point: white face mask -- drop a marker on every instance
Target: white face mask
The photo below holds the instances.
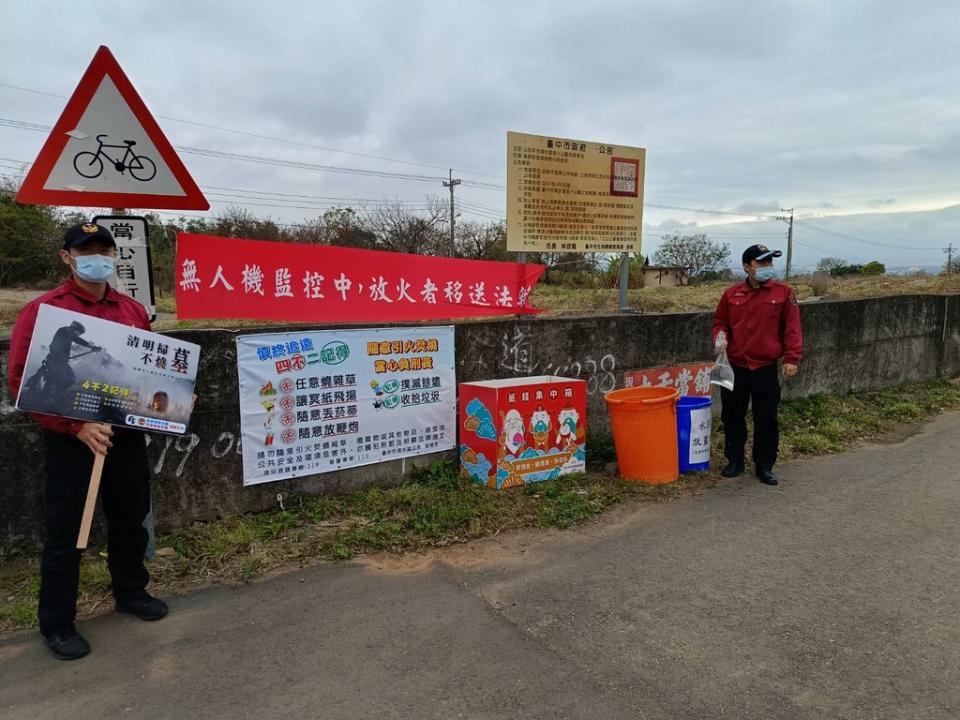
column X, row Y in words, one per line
column 94, row 268
column 764, row 274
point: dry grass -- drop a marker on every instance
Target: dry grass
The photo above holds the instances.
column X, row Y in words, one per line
column 434, row 507
column 558, row 300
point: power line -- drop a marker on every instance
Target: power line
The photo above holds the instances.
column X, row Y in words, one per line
column 331, row 201
column 827, row 253
column 35, row 92
column 709, row 212
column 222, row 154
column 270, row 137
column 473, row 208
column 481, row 206
column 863, row 241
column 259, row 198
column 301, row 197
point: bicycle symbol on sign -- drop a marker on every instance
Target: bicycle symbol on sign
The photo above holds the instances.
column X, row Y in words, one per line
column 90, row 164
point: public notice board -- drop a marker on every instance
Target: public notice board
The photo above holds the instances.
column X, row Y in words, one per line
column 85, row 368
column 567, row 195
column 316, row 401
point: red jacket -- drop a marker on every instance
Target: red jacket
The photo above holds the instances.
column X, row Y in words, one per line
column 114, row 306
column 762, row 324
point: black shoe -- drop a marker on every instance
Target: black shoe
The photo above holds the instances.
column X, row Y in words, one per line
column 66, row 643
column 145, row 607
column 732, row 469
column 767, row 477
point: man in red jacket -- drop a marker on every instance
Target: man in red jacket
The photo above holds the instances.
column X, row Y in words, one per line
column 90, row 252
column 757, row 322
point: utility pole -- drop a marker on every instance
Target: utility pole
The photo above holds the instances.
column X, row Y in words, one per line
column 789, row 240
column 452, row 184
column 949, row 251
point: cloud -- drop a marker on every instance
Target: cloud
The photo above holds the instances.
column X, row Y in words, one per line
column 733, row 110
column 758, row 207
column 671, row 225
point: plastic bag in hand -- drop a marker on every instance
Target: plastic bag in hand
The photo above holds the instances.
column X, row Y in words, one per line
column 721, row 373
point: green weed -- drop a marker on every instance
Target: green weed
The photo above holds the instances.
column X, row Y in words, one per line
column 434, row 506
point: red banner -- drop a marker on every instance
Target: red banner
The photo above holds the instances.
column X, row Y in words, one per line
column 251, row 279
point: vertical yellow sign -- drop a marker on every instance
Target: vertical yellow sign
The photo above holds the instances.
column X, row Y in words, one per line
column 568, row 195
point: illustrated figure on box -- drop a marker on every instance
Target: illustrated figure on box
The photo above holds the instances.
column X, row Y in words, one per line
column 540, row 428
column 512, row 440
column 514, row 437
column 568, row 435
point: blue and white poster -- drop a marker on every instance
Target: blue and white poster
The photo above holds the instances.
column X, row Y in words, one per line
column 317, row 401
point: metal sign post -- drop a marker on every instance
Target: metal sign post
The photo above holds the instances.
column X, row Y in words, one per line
column 624, row 281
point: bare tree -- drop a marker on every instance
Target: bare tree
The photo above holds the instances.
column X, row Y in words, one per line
column 399, row 229
column 697, row 253
column 481, row 241
column 829, row 263
column 238, row 222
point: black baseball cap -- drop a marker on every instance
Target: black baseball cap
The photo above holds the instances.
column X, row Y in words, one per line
column 83, row 233
column 759, row 252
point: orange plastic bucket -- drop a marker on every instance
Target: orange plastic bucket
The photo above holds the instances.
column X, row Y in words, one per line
column 644, row 422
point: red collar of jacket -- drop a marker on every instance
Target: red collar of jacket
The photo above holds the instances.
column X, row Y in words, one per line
column 70, row 287
column 746, row 287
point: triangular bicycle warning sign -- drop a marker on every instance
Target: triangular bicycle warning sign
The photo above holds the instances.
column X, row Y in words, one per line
column 106, row 150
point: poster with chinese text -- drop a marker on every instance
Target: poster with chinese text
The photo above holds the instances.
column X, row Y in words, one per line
column 568, row 195
column 85, row 368
column 316, row 401
column 691, row 379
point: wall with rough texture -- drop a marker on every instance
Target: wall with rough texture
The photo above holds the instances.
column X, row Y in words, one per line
column 856, row 344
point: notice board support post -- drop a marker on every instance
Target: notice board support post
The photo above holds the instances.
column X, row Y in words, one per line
column 624, row 280
column 522, row 259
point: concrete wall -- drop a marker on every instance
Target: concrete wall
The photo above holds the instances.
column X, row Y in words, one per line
column 857, row 344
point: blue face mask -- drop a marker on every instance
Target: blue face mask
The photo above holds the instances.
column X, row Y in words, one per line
column 94, row 268
column 764, row 274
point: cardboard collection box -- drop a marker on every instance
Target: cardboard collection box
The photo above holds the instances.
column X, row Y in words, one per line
column 522, row 430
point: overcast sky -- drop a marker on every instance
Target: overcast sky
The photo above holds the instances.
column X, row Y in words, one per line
column 847, row 111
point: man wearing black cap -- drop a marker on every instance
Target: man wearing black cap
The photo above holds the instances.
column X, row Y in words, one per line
column 757, row 322
column 90, row 252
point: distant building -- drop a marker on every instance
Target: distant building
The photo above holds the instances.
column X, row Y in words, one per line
column 663, row 276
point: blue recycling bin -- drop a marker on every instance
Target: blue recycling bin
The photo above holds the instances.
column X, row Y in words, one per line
column 693, row 433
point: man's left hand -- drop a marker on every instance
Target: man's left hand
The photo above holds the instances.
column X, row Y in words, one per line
column 789, row 371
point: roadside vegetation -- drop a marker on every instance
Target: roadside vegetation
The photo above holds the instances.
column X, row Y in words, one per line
column 433, row 506
column 574, row 283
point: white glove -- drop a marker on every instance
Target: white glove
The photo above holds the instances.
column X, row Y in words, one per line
column 720, row 342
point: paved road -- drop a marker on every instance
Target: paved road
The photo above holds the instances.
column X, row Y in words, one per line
column 833, row 596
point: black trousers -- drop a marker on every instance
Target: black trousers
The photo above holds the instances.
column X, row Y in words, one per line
column 125, row 498
column 761, row 389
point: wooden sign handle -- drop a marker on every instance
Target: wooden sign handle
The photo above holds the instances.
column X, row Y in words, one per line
column 91, row 503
